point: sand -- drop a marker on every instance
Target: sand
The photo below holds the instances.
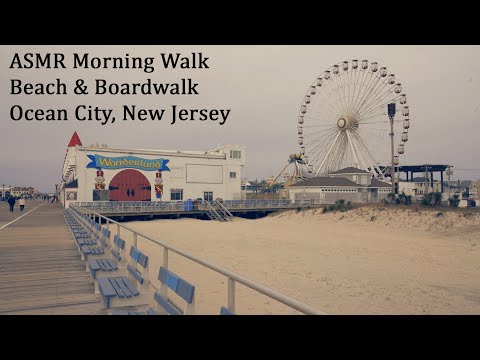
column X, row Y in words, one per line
column 369, row 260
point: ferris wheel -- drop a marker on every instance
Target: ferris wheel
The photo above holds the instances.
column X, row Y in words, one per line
column 343, row 119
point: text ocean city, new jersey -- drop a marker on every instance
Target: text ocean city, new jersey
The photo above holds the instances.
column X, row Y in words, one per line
column 128, row 112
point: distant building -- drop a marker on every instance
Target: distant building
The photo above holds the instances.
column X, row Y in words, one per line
column 101, row 173
column 22, row 191
column 419, row 186
column 349, row 184
column 17, row 191
column 464, row 189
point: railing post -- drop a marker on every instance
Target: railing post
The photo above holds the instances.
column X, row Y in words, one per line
column 231, row 294
column 163, row 288
column 135, row 239
column 118, row 230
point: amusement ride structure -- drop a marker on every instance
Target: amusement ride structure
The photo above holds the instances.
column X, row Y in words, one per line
column 343, row 122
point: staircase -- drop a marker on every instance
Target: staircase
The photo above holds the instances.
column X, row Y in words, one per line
column 221, row 209
column 217, row 211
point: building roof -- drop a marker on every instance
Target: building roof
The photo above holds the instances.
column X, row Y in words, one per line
column 349, row 170
column 422, row 168
column 72, row 184
column 467, row 183
column 420, row 179
column 75, row 140
column 326, row 181
column 379, row 184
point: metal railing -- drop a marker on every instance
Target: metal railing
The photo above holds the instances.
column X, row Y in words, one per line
column 182, row 206
column 232, row 277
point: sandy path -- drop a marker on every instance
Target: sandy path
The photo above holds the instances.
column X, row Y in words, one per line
column 347, row 266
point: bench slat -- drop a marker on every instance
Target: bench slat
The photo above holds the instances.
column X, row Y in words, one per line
column 225, row 311
column 106, row 288
column 143, row 260
column 120, row 312
column 138, row 256
column 119, row 242
column 124, row 288
column 135, row 274
column 181, row 287
column 118, row 290
column 130, row 286
column 116, row 255
column 185, row 290
column 165, row 304
column 93, row 265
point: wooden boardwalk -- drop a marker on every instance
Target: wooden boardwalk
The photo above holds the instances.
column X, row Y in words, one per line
column 40, row 267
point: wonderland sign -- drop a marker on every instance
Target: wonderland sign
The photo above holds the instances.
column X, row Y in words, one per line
column 131, row 162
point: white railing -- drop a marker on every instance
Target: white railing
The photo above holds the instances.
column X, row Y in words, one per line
column 182, row 206
column 232, row 277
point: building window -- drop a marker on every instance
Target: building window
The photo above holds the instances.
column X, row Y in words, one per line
column 176, row 194
column 235, row 154
column 233, row 175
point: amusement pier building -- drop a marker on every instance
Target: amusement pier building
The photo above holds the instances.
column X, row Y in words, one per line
column 100, row 173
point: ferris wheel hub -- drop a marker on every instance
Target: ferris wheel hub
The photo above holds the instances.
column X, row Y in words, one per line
column 342, row 123
column 346, row 122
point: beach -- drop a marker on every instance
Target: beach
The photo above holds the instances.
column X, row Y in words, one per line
column 370, row 260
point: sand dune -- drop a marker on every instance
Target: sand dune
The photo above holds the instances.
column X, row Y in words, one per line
column 369, row 260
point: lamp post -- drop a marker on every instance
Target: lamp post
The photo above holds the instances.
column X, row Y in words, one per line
column 3, row 192
column 391, row 116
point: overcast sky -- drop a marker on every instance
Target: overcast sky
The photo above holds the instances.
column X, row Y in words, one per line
column 264, row 88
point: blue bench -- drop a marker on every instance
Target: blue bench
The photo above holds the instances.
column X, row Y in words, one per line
column 123, row 291
column 226, row 311
column 106, row 235
column 127, row 312
column 163, row 304
column 186, row 291
column 81, row 236
column 90, row 252
column 107, row 267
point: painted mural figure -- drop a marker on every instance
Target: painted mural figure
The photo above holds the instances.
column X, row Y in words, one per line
column 99, row 181
column 159, row 185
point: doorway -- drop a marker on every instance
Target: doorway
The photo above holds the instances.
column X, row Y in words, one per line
column 208, row 196
column 130, row 185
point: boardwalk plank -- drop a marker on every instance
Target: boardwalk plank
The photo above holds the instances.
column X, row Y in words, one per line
column 40, row 268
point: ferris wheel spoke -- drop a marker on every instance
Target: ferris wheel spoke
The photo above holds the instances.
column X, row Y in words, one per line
column 374, row 96
column 360, row 92
column 355, row 77
column 379, row 98
column 337, row 89
column 319, row 141
column 370, row 92
column 344, row 81
column 318, row 148
column 312, row 115
column 375, row 122
column 380, row 105
column 373, row 116
column 354, row 153
column 365, row 92
column 328, row 152
column 357, row 148
column 358, row 86
column 314, row 144
column 320, row 125
column 362, row 143
column 323, row 95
